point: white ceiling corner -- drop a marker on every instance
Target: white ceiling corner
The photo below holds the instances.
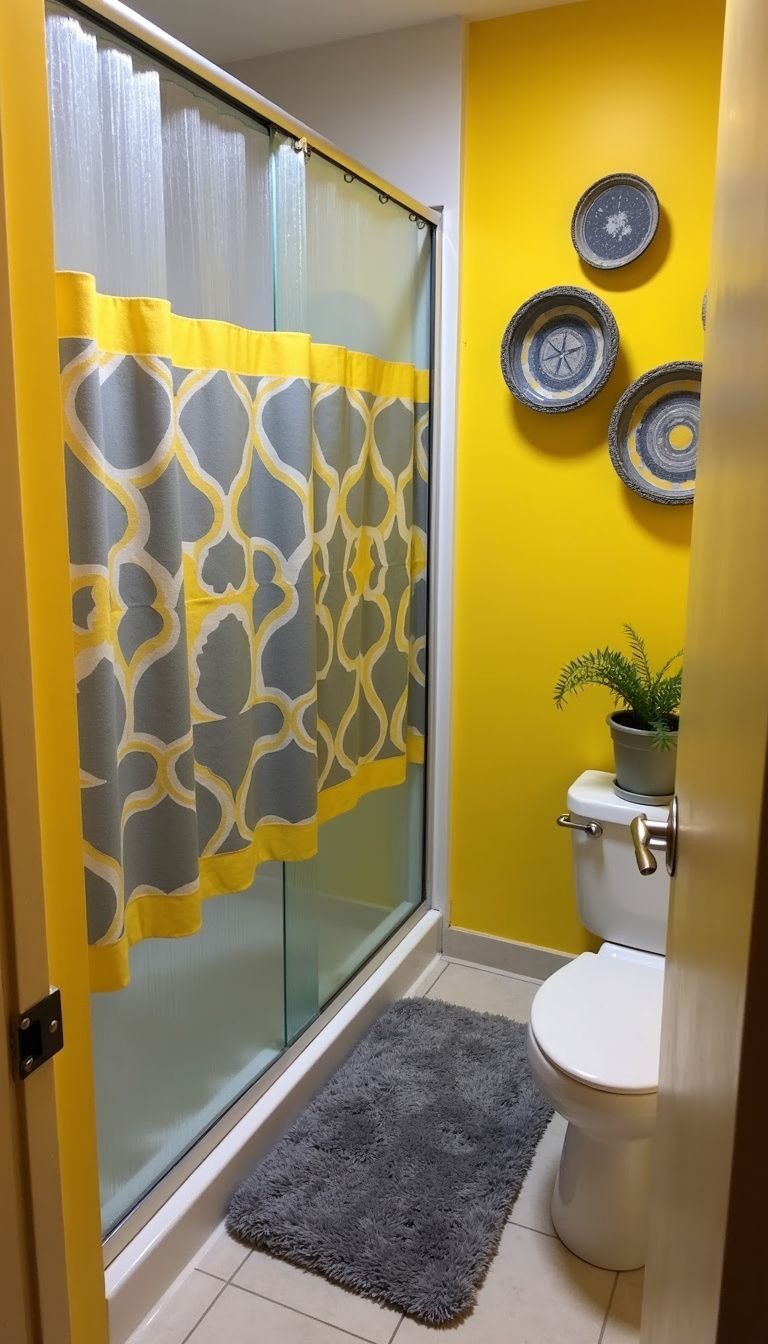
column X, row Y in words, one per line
column 227, row 31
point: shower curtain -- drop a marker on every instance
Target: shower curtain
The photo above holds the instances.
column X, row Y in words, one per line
column 247, row 510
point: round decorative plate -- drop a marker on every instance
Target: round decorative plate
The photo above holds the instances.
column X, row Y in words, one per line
column 654, row 433
column 559, row 348
column 615, row 220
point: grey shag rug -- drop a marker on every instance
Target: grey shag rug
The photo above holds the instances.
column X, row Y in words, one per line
column 398, row 1178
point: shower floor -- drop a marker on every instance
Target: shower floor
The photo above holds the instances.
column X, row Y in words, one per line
column 169, row 1063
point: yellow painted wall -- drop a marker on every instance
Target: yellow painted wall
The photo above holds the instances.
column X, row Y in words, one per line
column 553, row 552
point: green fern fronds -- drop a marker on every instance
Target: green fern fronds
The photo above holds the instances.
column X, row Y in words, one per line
column 653, row 698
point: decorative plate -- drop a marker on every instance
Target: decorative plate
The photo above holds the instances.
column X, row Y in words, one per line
column 559, row 348
column 615, row 220
column 654, row 433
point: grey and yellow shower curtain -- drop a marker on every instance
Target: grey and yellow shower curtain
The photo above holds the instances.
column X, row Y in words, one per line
column 247, row 517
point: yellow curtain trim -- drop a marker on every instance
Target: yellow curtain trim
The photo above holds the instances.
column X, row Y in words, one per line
column 161, row 916
column 148, row 327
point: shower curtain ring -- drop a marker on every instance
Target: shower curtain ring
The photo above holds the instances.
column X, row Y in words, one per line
column 302, row 146
column 349, row 177
column 383, row 197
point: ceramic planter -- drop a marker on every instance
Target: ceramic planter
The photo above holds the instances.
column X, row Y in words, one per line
column 642, row 768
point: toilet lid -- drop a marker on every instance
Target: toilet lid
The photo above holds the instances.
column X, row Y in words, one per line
column 599, row 1020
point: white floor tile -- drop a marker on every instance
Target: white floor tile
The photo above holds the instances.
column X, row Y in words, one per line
column 179, row 1311
column 485, row 991
column 535, row 1292
column 531, row 1208
column 238, row 1317
column 221, row 1255
column 623, row 1324
column 316, row 1296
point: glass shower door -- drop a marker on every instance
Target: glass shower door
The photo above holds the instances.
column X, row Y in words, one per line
column 354, row 269
column 162, row 191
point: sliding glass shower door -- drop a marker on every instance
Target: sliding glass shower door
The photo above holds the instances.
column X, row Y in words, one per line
column 357, row 274
column 164, row 192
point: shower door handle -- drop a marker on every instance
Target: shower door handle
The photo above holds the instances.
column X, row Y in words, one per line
column 649, row 835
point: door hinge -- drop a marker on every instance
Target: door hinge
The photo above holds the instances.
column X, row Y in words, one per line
column 37, row 1035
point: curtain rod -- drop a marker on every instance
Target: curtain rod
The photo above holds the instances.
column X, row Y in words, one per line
column 125, row 22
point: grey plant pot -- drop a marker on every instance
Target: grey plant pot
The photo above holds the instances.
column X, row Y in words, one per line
column 641, row 767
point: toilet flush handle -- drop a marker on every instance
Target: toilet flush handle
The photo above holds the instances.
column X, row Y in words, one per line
column 592, row 828
column 649, row 835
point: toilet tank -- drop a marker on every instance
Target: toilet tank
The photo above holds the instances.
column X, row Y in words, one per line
column 615, row 901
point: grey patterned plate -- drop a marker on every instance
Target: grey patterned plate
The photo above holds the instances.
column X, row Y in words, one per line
column 615, row 220
column 559, row 348
column 654, row 433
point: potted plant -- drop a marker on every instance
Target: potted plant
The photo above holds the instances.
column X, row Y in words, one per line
column 644, row 730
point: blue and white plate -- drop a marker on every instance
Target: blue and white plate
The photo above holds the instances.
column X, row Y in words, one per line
column 615, row 220
column 654, row 433
column 559, row 349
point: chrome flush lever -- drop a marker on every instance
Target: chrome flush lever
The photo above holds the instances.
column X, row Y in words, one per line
column 649, row 835
column 592, row 828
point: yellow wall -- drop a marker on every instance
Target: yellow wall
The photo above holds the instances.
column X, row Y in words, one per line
column 553, row 552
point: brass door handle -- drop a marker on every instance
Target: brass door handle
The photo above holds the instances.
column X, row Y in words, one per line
column 649, row 835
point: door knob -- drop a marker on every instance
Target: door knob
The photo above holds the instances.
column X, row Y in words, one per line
column 649, row 835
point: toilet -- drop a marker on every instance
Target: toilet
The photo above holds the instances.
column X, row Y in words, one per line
column 595, row 1031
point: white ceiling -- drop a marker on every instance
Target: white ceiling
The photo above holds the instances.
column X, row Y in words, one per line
column 234, row 30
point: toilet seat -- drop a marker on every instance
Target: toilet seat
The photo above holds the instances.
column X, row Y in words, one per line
column 598, row 1020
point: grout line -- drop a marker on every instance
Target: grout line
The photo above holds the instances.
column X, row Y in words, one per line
column 436, row 980
column 298, row 1312
column 245, row 1258
column 608, row 1309
column 207, row 1309
column 209, row 1275
column 397, row 1327
column 528, row 1228
column 492, row 970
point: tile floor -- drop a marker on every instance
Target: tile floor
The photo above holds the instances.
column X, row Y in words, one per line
column 535, row 1292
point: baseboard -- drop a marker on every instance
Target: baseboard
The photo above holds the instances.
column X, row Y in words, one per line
column 502, row 954
column 144, row 1270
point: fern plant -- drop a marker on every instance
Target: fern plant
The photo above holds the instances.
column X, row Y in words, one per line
column 651, row 699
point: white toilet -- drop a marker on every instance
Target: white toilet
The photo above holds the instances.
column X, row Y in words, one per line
column 594, row 1034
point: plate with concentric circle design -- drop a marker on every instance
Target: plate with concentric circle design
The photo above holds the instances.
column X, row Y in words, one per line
column 615, row 220
column 559, row 349
column 654, row 433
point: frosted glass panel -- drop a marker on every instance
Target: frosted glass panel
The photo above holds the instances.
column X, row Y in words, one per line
column 217, row 211
column 340, row 906
column 200, row 1020
column 158, row 189
column 106, row 144
column 352, row 270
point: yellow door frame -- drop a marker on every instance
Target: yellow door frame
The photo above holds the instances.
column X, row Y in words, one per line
column 48, row 942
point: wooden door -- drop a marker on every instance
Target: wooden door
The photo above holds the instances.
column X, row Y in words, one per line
column 705, row 1278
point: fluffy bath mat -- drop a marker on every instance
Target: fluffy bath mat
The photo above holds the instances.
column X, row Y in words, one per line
column 396, row 1181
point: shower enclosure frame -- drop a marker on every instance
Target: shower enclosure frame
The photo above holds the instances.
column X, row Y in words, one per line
column 27, row 183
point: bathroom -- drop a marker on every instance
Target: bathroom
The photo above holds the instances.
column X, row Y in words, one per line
column 411, row 182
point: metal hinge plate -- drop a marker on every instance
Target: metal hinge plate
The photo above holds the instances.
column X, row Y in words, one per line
column 37, row 1035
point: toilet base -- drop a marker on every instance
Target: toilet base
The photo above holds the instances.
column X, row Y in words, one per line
column 601, row 1198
